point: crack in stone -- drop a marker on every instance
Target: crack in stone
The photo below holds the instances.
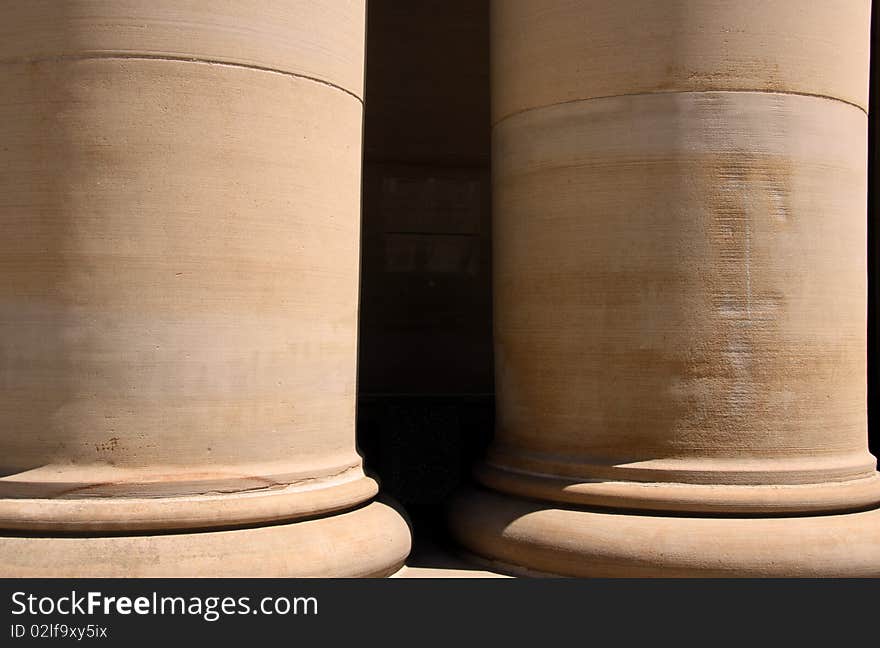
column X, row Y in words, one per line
column 176, row 59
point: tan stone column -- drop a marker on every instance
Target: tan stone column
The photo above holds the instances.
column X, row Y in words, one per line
column 680, row 291
column 179, row 204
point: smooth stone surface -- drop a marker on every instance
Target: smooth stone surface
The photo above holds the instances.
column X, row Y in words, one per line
column 528, row 538
column 665, row 495
column 679, row 284
column 546, row 52
column 180, row 201
column 680, row 296
column 178, row 315
column 320, row 40
column 134, row 510
column 372, row 541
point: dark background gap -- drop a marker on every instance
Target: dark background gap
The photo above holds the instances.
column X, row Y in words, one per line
column 873, row 244
column 426, row 404
column 425, row 392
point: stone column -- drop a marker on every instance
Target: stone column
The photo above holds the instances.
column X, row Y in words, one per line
column 179, row 204
column 680, row 291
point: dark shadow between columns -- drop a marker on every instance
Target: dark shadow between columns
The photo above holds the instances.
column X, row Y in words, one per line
column 426, row 405
column 873, row 246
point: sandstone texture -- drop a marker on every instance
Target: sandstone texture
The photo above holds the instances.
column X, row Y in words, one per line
column 180, row 200
column 680, row 291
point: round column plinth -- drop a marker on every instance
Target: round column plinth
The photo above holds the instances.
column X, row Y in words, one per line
column 526, row 537
column 723, row 498
column 137, row 506
column 371, row 541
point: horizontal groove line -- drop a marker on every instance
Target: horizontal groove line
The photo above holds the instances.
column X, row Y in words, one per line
column 177, row 59
column 673, row 92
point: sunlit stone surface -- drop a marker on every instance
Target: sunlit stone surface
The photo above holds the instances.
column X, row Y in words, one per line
column 680, row 291
column 179, row 203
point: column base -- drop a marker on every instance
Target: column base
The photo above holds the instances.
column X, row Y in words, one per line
column 372, row 541
column 534, row 538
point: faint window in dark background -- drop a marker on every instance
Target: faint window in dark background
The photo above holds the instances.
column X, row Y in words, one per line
column 426, row 409
column 425, row 377
column 873, row 246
